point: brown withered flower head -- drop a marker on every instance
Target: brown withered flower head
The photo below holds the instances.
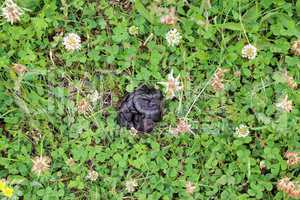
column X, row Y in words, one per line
column 169, row 18
column 292, row 189
column 217, row 82
column 19, row 69
column 83, row 106
column 182, row 127
column 293, row 158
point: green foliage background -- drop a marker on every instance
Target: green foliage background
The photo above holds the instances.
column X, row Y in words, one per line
column 112, row 62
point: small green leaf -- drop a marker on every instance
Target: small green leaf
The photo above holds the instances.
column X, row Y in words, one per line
column 251, row 15
column 231, row 26
column 298, row 7
column 144, row 12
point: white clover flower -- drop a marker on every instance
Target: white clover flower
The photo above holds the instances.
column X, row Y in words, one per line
column 190, row 187
column 249, row 51
column 40, row 164
column 182, row 127
column 172, row 85
column 94, row 96
column 242, row 131
column 92, row 175
column 131, row 185
column 262, row 165
column 72, row 42
column 173, row 37
column 289, row 80
column 70, row 162
column 296, row 47
column 285, row 104
column 11, row 11
column 133, row 30
column 133, row 131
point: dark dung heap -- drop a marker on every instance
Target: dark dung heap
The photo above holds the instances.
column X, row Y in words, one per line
column 141, row 109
